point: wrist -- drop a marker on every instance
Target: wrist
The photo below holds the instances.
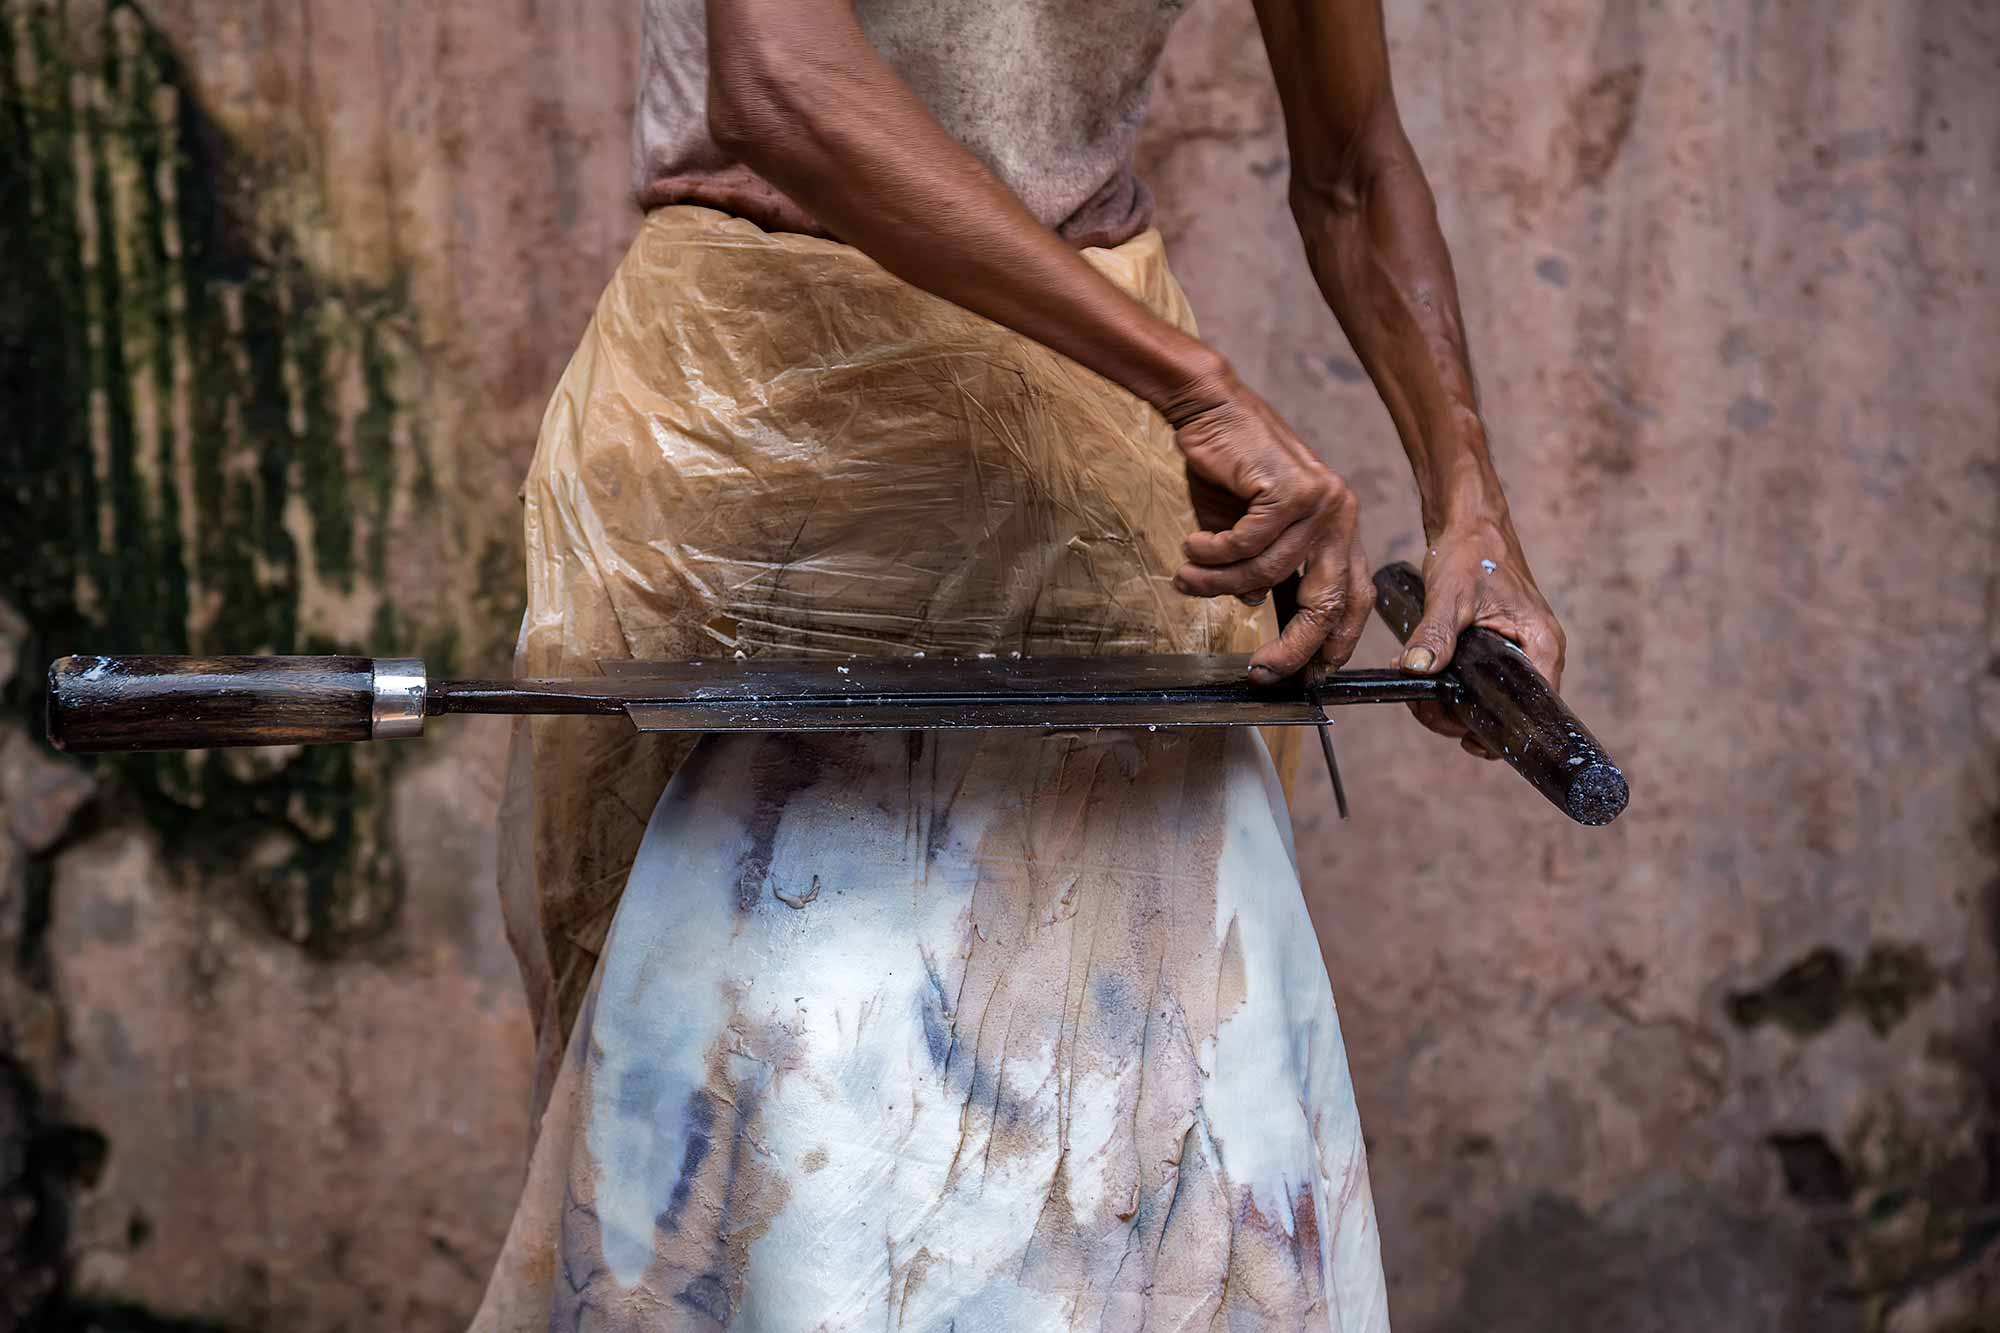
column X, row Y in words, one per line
column 1484, row 537
column 1188, row 377
column 1466, row 516
column 1465, row 496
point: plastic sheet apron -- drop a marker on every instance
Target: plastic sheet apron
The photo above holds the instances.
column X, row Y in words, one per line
column 982, row 1030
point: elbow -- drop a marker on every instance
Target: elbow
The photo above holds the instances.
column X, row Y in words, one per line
column 739, row 111
column 758, row 99
column 1339, row 184
column 737, row 114
column 1333, row 190
column 1319, row 196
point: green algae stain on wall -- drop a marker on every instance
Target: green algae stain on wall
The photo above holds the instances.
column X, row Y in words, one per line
column 207, row 443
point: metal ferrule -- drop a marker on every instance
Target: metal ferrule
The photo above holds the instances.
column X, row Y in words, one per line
column 398, row 709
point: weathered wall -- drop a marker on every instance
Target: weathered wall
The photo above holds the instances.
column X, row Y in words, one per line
column 287, row 287
column 1729, row 275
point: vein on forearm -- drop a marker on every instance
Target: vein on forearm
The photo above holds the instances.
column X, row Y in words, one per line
column 1372, row 239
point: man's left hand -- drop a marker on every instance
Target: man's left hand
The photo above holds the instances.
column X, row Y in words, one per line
column 1476, row 575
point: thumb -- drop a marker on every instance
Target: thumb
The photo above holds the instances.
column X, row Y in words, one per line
column 1432, row 642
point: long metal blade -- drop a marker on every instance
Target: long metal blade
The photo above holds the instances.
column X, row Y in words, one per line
column 909, row 693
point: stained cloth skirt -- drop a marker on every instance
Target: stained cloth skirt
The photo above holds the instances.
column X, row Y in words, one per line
column 957, row 1030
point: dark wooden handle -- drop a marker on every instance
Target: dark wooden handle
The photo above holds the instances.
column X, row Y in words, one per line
column 1509, row 707
column 99, row 704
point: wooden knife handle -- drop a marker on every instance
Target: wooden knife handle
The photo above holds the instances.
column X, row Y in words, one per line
column 98, row 704
column 1510, row 708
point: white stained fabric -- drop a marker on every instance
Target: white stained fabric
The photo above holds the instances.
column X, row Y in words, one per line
column 961, row 1030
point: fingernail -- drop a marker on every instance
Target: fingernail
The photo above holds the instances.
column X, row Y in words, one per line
column 1253, row 598
column 1263, row 675
column 1418, row 659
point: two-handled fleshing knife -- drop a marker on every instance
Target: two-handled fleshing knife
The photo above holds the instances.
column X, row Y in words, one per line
column 177, row 703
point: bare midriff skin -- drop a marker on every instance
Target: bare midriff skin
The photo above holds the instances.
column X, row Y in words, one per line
column 800, row 97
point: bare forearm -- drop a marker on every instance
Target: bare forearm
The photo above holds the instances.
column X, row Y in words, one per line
column 1373, row 242
column 798, row 93
column 1371, row 234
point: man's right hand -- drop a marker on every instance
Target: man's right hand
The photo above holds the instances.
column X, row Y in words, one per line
column 1269, row 508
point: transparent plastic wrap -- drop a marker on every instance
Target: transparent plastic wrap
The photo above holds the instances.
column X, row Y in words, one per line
column 766, row 445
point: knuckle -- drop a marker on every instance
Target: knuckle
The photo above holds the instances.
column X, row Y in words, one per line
column 1312, row 615
column 1268, row 567
column 1254, row 532
column 1538, row 639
